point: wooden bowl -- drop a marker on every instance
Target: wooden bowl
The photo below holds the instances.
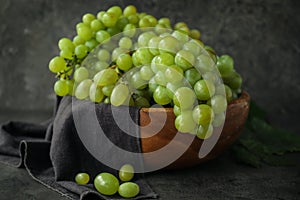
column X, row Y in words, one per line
column 151, row 140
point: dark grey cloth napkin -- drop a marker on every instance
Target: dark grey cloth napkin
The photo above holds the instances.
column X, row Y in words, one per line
column 53, row 153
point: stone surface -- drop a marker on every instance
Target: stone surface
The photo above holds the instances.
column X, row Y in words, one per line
column 219, row 179
column 262, row 36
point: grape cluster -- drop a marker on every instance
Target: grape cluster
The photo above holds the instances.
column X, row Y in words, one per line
column 108, row 184
column 127, row 58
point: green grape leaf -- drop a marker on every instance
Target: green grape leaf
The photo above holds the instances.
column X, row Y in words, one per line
column 262, row 143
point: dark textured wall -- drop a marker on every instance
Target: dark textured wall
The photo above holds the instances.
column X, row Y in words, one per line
column 262, row 36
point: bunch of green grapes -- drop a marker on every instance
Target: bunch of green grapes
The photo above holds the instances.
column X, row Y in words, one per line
column 127, row 58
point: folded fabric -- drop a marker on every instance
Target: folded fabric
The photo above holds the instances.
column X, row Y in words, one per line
column 54, row 153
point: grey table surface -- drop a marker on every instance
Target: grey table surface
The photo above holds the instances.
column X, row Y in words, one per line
column 222, row 178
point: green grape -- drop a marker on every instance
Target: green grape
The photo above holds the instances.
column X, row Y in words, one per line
column 184, row 29
column 109, row 19
column 193, row 47
column 97, row 25
column 144, row 23
column 176, row 110
column 106, row 77
column 106, row 183
column 129, row 10
column 113, row 30
column 82, row 178
column 211, row 76
column 119, row 95
column 129, row 190
column 81, row 74
column 173, row 74
column 124, row 62
column 133, row 19
column 83, row 88
column 85, row 32
column 195, row 34
column 102, row 36
column 172, row 87
column 117, row 52
column 78, row 40
column 103, row 55
column 144, row 38
column 184, row 122
column 225, row 64
column 135, row 61
column 61, row 87
column 160, row 96
column 100, row 65
column 204, row 89
column 141, row 15
column 153, row 45
column 129, row 30
column 219, row 119
column 192, row 76
column 143, row 56
column 100, row 15
column 106, row 100
column 218, row 104
column 184, row 59
column 91, row 44
column 204, row 63
column 164, row 21
column 115, row 10
column 81, row 51
column 228, row 92
column 66, row 54
column 234, row 81
column 107, row 90
column 66, row 44
column 88, row 18
column 80, row 25
column 70, row 84
column 204, row 132
column 126, row 172
column 96, row 94
column 184, row 97
column 180, row 36
column 203, row 114
column 169, row 44
column 122, row 22
column 142, row 102
column 152, row 85
column 211, row 53
column 160, row 78
column 125, row 43
column 161, row 29
column 57, row 64
column 179, row 25
column 161, row 62
column 137, row 81
column 225, row 88
column 151, row 19
column 146, row 72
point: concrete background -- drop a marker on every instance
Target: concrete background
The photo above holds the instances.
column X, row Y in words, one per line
column 262, row 36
